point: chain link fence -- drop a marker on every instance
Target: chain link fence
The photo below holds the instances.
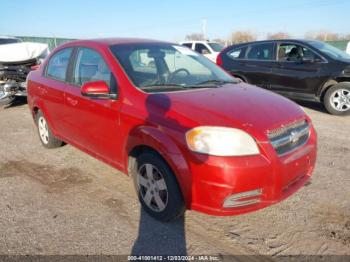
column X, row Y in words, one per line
column 51, row 41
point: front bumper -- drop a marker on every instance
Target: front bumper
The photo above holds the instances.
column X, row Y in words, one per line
column 265, row 179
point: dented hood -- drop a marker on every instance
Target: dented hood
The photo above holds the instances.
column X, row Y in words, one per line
column 19, row 52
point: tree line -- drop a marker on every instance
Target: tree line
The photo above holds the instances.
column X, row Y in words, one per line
column 248, row 36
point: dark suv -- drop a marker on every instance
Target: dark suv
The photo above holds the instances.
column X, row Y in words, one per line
column 299, row 69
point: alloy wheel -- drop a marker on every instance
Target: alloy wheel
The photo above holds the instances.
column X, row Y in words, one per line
column 43, row 130
column 340, row 100
column 152, row 187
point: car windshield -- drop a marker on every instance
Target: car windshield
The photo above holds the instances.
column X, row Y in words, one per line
column 5, row 41
column 166, row 67
column 216, row 46
column 330, row 50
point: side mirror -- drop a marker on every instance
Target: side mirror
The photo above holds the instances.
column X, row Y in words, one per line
column 97, row 90
column 205, row 52
column 307, row 60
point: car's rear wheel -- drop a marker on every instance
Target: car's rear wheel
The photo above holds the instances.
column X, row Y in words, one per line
column 337, row 99
column 47, row 139
column 157, row 187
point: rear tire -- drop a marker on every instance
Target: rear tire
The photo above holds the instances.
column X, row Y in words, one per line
column 46, row 137
column 157, row 187
column 337, row 99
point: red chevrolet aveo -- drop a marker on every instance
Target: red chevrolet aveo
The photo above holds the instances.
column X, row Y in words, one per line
column 190, row 135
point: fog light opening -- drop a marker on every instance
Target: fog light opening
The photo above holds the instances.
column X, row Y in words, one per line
column 243, row 199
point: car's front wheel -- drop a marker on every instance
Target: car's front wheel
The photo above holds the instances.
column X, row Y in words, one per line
column 157, row 187
column 47, row 139
column 337, row 99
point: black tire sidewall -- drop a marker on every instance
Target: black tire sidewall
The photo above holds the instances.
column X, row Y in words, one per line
column 175, row 206
column 327, row 99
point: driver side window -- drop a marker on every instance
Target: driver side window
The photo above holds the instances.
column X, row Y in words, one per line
column 294, row 53
column 89, row 67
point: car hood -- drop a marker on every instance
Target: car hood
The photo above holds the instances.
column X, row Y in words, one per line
column 233, row 105
column 19, row 52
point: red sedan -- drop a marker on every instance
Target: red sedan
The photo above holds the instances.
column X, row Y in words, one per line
column 190, row 135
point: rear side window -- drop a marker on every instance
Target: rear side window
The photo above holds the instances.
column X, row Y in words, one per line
column 89, row 67
column 58, row 64
column 237, row 53
column 260, row 51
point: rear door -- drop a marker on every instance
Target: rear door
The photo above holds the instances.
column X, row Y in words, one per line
column 297, row 70
column 92, row 123
column 51, row 88
column 256, row 66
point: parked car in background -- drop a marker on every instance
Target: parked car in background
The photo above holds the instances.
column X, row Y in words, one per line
column 206, row 48
column 299, row 69
column 189, row 134
column 348, row 48
column 16, row 60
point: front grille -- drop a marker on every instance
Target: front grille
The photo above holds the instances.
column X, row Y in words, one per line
column 17, row 71
column 289, row 137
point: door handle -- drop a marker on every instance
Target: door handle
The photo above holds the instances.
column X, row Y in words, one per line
column 42, row 90
column 72, row 101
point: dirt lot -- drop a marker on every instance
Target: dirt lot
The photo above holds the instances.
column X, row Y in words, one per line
column 63, row 201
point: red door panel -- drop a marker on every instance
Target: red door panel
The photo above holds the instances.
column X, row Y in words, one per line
column 92, row 124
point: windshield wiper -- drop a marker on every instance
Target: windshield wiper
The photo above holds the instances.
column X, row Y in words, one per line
column 216, row 82
column 161, row 85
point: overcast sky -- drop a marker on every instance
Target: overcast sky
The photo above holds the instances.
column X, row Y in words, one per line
column 170, row 20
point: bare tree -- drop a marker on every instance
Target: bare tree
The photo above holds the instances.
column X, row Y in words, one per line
column 242, row 36
column 323, row 35
column 195, row 37
column 278, row 35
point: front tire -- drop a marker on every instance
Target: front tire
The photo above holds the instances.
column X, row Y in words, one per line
column 47, row 139
column 157, row 187
column 337, row 99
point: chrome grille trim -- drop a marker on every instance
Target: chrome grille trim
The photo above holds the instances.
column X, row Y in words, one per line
column 289, row 137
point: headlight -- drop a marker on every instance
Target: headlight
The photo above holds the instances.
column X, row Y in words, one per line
column 221, row 141
column 346, row 71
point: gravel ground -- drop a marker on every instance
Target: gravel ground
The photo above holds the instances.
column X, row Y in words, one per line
column 62, row 201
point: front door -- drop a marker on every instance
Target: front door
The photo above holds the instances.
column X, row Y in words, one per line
column 92, row 124
column 297, row 70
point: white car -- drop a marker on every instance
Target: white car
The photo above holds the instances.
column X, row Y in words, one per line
column 348, row 48
column 206, row 48
column 17, row 59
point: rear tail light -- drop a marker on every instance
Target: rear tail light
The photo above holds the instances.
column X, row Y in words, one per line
column 219, row 60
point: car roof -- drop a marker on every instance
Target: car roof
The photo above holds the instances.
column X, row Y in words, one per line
column 111, row 41
column 277, row 40
column 198, row 41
